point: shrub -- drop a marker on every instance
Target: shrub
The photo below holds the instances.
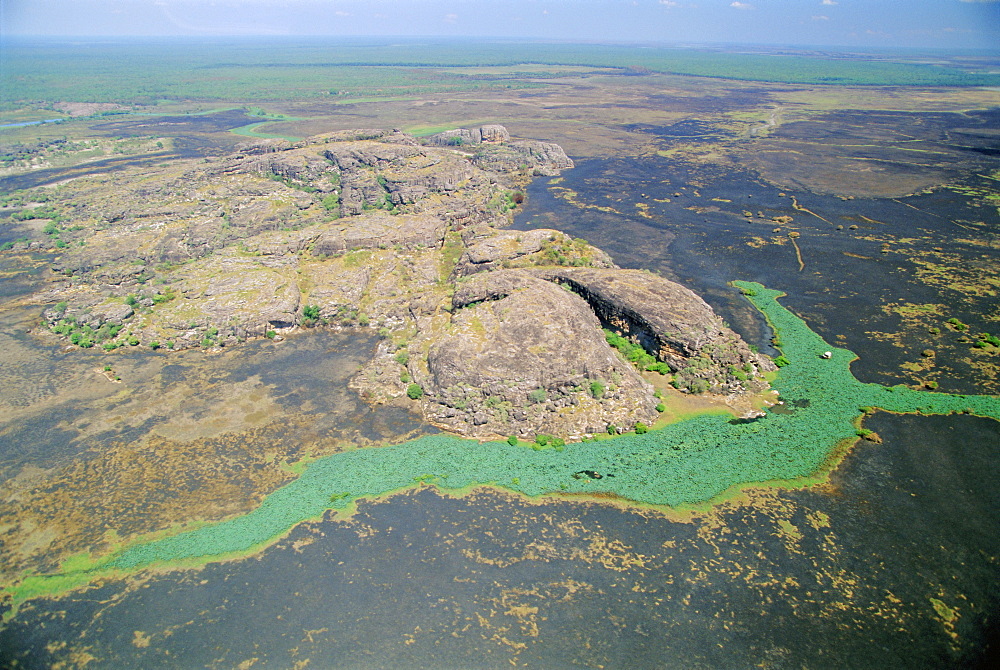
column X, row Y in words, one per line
column 133, row 340
column 402, row 358
column 512, row 440
column 207, row 342
column 597, row 389
column 612, row 429
column 542, row 440
column 956, row 324
column 781, row 361
column 311, row 312
column 415, row 391
column 698, row 386
column 270, row 334
column 641, row 428
column 331, row 203
column 154, row 345
column 537, row 396
column 661, row 407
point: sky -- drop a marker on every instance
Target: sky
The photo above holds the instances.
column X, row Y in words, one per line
column 947, row 24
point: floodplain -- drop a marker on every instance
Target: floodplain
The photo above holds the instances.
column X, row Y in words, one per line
column 872, row 203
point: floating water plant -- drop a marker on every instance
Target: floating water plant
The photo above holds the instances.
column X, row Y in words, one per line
column 684, row 464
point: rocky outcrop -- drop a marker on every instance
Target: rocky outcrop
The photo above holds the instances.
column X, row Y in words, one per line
column 469, row 136
column 525, row 356
column 531, row 248
column 671, row 322
column 497, row 332
column 380, row 230
column 377, row 175
column 527, row 156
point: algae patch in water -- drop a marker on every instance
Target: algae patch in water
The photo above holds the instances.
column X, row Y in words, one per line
column 683, row 464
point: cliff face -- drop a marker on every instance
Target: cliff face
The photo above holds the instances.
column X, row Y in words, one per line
column 492, row 332
column 672, row 323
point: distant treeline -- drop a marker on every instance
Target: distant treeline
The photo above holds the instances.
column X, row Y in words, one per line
column 134, row 72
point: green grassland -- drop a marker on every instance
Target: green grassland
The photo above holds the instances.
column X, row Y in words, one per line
column 47, row 71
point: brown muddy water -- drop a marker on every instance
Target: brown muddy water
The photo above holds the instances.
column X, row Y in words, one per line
column 892, row 564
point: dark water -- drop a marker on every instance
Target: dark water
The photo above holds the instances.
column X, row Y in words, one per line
column 432, row 582
column 846, row 278
column 894, row 564
column 193, row 137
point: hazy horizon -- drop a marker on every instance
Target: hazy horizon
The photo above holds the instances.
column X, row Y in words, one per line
column 871, row 24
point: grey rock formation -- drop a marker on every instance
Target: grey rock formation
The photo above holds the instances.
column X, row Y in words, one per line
column 504, row 249
column 369, row 228
column 469, row 136
column 528, row 156
column 521, row 356
column 671, row 322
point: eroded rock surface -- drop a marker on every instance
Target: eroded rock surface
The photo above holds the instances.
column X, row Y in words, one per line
column 521, row 355
column 671, row 322
column 491, row 332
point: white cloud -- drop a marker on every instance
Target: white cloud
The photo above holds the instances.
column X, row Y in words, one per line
column 668, row 3
column 821, row 18
column 342, row 13
column 450, row 18
column 741, row 5
column 829, row 2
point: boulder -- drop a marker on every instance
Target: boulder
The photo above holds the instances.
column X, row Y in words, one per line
column 519, row 346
